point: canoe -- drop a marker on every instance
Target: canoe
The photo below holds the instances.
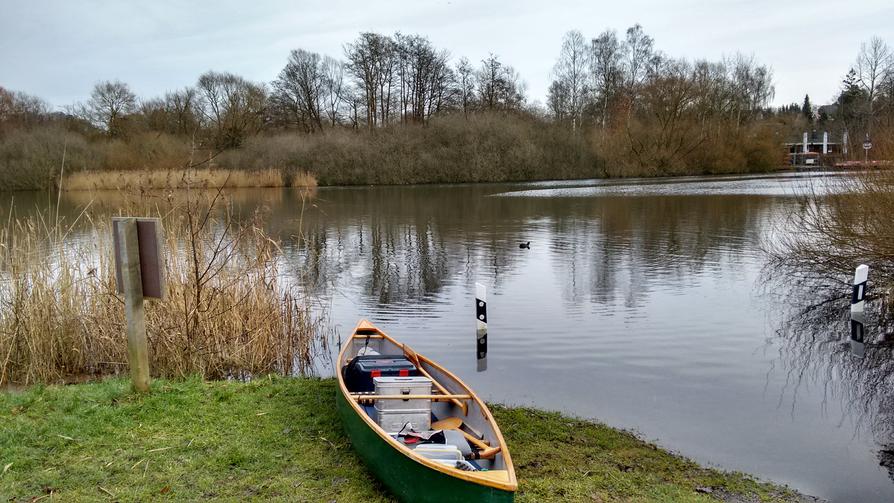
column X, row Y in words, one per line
column 410, row 476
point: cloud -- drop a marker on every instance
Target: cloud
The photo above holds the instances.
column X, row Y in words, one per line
column 59, row 49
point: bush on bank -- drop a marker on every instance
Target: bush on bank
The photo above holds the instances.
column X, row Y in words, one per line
column 481, row 147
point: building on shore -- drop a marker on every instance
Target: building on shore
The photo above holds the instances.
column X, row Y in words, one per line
column 816, row 149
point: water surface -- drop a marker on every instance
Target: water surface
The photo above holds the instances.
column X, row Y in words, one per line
column 638, row 304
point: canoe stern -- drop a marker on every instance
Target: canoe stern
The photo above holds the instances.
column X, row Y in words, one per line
column 407, row 479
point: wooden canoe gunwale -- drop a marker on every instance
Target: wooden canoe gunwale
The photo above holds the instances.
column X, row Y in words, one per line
column 352, row 400
column 434, row 398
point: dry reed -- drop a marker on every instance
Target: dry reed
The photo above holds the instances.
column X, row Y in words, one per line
column 841, row 224
column 227, row 312
column 304, row 180
column 175, row 179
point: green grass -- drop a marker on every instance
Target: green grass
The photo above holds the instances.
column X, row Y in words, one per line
column 279, row 438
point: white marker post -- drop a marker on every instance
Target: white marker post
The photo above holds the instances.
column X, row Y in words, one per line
column 481, row 321
column 861, row 276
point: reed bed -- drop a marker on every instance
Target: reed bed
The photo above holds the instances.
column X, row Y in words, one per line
column 204, row 178
column 227, row 313
column 303, row 180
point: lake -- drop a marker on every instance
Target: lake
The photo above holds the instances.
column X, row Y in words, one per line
column 640, row 304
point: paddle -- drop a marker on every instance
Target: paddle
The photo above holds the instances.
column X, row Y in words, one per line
column 455, row 423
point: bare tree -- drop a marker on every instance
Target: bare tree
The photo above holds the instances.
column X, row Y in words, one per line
column 355, row 101
column 714, row 91
column 499, row 86
column 465, row 79
column 424, row 77
column 557, row 101
column 231, row 107
column 110, row 102
column 371, row 59
column 667, row 101
column 182, row 111
column 153, row 114
column 752, row 86
column 638, row 49
column 875, row 63
column 606, row 69
column 299, row 90
column 571, row 77
column 18, row 109
column 334, row 86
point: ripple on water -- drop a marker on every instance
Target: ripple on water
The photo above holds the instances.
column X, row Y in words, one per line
column 636, row 305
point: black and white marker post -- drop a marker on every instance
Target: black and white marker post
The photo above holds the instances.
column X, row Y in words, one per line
column 858, row 302
column 481, row 321
column 858, row 298
column 858, row 334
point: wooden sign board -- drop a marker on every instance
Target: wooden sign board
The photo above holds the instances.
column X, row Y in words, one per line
column 152, row 267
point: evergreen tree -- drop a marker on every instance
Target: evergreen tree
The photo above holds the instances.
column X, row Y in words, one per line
column 851, row 98
column 807, row 109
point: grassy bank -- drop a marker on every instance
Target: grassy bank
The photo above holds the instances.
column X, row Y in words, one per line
column 279, row 438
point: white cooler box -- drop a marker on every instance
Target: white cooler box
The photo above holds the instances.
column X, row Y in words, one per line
column 393, row 415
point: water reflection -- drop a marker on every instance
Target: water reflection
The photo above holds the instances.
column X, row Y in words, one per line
column 636, row 307
column 848, row 355
column 403, row 250
column 403, row 245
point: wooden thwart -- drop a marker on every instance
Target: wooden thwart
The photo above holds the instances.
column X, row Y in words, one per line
column 370, row 336
column 417, row 360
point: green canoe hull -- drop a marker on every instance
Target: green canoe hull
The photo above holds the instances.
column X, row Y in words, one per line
column 409, row 480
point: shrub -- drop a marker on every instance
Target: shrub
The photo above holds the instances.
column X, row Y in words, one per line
column 481, row 148
column 32, row 159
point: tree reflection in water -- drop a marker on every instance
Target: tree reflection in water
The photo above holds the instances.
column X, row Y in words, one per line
column 406, row 245
column 821, row 344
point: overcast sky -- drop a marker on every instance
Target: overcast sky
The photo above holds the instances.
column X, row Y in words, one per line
column 59, row 49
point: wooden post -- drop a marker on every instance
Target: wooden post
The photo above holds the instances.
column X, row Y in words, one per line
column 861, row 276
column 137, row 348
column 481, row 322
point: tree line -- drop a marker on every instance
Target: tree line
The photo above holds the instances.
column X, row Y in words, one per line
column 382, row 80
column 608, row 80
column 864, row 105
column 627, row 106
